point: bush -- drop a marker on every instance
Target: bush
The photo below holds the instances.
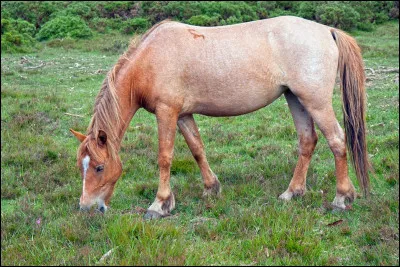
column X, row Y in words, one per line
column 201, row 12
column 233, row 20
column 307, row 10
column 64, row 26
column 337, row 15
column 19, row 25
column 17, row 36
column 119, row 9
column 81, row 9
column 136, row 25
column 61, row 19
column 104, row 25
column 35, row 12
column 203, row 20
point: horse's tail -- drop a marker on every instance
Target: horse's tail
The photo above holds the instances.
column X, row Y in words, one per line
column 352, row 76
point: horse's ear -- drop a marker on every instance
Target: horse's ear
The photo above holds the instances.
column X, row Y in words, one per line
column 78, row 135
column 101, row 138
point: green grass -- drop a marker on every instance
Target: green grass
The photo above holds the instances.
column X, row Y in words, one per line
column 253, row 155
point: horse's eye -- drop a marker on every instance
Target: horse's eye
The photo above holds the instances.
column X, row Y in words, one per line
column 99, row 168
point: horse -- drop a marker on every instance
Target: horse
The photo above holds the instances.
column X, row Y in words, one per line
column 177, row 70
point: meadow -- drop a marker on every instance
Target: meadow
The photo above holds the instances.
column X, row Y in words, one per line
column 44, row 93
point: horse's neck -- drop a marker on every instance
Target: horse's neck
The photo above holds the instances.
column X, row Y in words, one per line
column 127, row 107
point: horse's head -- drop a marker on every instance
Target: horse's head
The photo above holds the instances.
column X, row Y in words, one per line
column 99, row 170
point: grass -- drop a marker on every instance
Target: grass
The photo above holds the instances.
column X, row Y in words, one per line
column 253, row 155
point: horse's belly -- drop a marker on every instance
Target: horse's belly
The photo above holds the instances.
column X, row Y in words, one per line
column 233, row 103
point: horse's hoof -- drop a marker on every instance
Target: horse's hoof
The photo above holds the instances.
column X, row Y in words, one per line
column 338, row 202
column 150, row 214
column 287, row 195
column 341, row 198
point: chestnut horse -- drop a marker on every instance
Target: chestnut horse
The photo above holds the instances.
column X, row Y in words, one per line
column 177, row 70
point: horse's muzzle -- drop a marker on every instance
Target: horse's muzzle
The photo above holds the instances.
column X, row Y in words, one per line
column 102, row 209
column 84, row 208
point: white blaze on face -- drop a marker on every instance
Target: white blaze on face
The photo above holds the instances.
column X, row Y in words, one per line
column 85, row 165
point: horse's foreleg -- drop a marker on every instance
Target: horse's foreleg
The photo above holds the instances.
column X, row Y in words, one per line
column 167, row 118
column 189, row 130
column 307, row 141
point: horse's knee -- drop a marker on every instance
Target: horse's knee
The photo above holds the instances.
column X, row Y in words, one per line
column 164, row 161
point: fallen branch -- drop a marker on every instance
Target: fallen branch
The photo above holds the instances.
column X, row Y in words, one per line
column 75, row 115
column 105, row 256
column 335, row 223
column 390, row 71
column 35, row 67
column 370, row 69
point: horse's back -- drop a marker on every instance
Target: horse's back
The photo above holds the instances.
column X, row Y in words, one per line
column 235, row 69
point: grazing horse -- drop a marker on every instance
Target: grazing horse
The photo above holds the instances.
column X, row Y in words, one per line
column 177, row 70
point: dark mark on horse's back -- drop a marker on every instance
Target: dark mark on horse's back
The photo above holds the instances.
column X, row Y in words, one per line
column 195, row 34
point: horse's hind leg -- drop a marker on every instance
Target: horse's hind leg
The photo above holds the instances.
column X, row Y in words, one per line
column 189, row 130
column 307, row 140
column 322, row 112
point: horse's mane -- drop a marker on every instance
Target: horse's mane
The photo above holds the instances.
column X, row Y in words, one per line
column 106, row 112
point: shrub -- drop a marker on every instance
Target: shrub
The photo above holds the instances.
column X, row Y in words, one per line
column 35, row 12
column 119, row 9
column 64, row 26
column 280, row 12
column 19, row 25
column 17, row 36
column 203, row 20
column 307, row 10
column 136, row 25
column 81, row 9
column 104, row 25
column 99, row 25
column 337, row 15
column 394, row 13
column 233, row 20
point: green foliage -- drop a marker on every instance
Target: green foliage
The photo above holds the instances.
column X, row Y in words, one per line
column 17, row 35
column 19, row 25
column 118, row 9
column 136, row 25
column 81, row 9
column 64, row 26
column 337, row 15
column 307, row 9
column 203, row 20
column 35, row 12
column 130, row 17
column 105, row 25
column 235, row 11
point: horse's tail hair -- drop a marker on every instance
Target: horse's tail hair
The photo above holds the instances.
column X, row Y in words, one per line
column 352, row 76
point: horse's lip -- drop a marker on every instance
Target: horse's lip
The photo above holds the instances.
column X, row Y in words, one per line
column 84, row 208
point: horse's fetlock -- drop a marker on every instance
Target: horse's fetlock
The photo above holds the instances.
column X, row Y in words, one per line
column 213, row 190
column 168, row 204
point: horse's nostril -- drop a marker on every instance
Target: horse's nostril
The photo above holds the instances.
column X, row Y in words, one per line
column 102, row 209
